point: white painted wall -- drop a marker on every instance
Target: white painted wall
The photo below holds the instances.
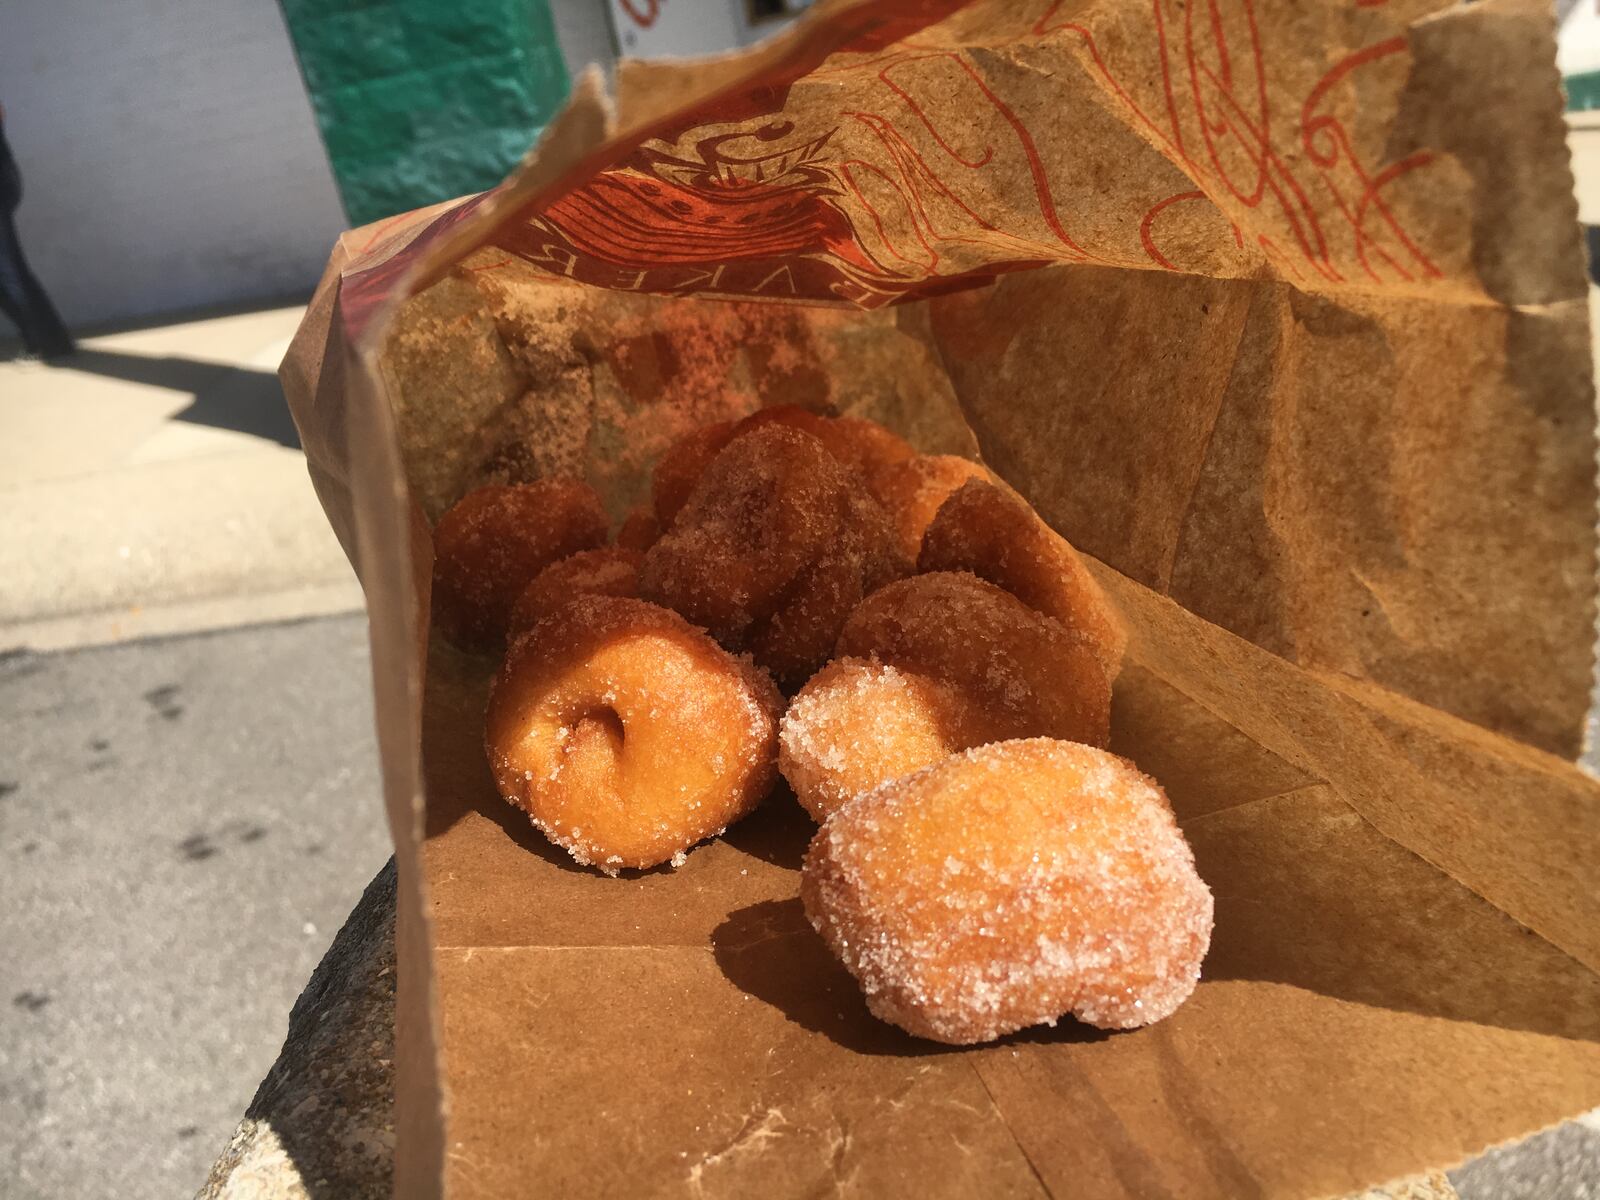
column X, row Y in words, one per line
column 168, row 152
column 1578, row 42
column 692, row 28
column 584, row 31
column 169, row 155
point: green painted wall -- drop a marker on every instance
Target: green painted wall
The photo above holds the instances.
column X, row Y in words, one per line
column 424, row 100
column 1583, row 91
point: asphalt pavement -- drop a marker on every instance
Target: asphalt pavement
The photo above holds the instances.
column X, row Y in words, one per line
column 184, row 825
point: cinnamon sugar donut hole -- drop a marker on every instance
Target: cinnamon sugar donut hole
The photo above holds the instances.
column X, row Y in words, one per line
column 1033, row 675
column 775, row 547
column 680, row 466
column 862, row 445
column 606, row 571
column 997, row 536
column 639, row 529
column 490, row 544
column 912, row 490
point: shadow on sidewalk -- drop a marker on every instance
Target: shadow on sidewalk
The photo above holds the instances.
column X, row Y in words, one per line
column 225, row 397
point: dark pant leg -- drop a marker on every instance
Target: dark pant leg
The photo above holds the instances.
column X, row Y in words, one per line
column 24, row 302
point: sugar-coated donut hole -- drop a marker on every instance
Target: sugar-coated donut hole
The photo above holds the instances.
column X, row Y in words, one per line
column 996, row 535
column 776, row 545
column 626, row 734
column 1008, row 886
column 858, row 723
column 492, row 542
column 601, row 721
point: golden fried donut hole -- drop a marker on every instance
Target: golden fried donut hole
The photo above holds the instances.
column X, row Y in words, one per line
column 1008, row 886
column 777, row 544
column 912, row 490
column 679, row 468
column 859, row 722
column 858, row 443
column 639, row 529
column 491, row 543
column 997, row 536
column 627, row 735
column 607, row 571
column 1034, row 676
column 862, row 445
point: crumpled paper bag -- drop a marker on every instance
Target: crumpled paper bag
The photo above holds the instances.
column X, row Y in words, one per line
column 1279, row 312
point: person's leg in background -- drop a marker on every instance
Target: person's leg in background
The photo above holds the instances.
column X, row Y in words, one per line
column 22, row 296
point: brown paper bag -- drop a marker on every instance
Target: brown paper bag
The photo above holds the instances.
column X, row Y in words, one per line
column 1278, row 311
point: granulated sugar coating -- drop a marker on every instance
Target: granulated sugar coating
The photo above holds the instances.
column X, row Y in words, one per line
column 997, row 536
column 491, row 543
column 858, row 723
column 608, row 571
column 912, row 490
column 639, row 529
column 448, row 374
column 680, row 466
column 1008, row 886
column 777, row 544
column 1036, row 676
column 513, row 460
column 864, row 446
column 627, row 735
column 542, row 434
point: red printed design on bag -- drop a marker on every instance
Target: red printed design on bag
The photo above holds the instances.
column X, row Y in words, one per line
column 748, row 213
column 890, row 155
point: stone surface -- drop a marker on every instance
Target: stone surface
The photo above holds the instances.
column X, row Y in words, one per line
column 1559, row 1164
column 320, row 1125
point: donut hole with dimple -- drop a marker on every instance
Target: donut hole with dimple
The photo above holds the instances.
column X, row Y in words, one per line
column 626, row 734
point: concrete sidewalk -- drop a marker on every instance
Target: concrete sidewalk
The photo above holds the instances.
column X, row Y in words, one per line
column 152, row 483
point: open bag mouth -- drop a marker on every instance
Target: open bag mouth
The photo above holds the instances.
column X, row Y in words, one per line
column 1255, row 310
